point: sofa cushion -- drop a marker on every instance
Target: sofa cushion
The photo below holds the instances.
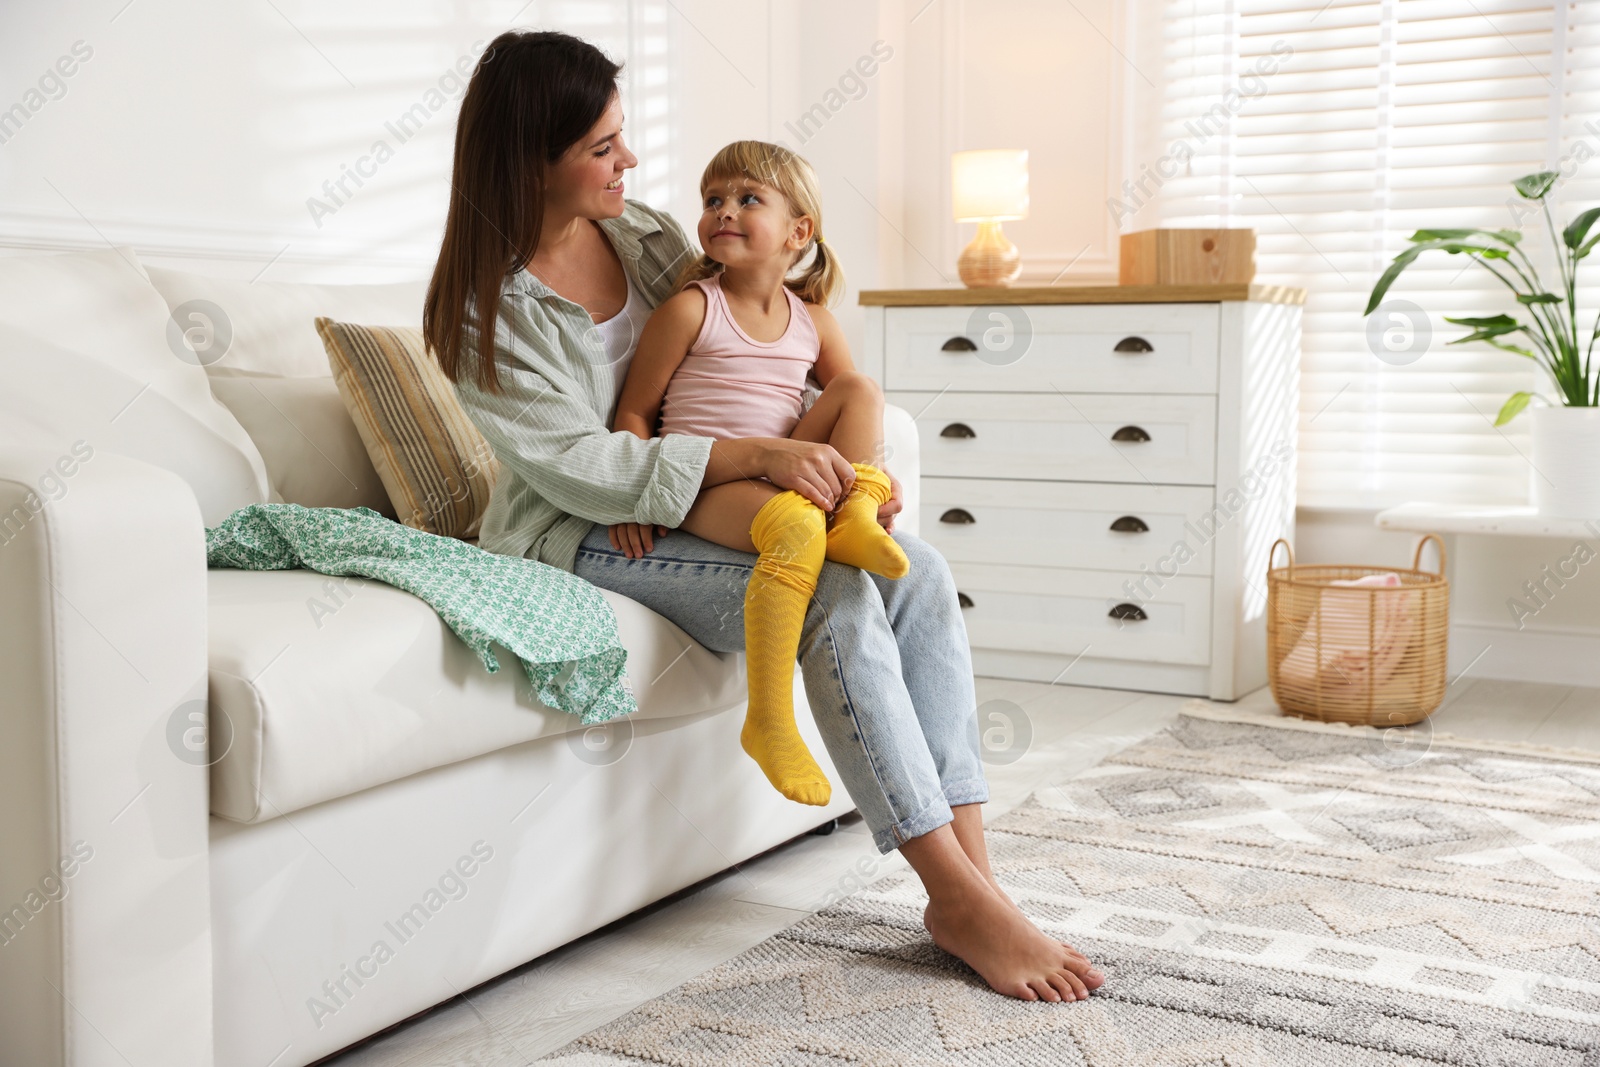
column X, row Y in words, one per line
column 314, row 456
column 90, row 357
column 437, row 467
column 271, row 323
column 323, row 686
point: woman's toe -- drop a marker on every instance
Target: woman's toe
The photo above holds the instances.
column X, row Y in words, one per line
column 1060, row 984
column 1079, row 990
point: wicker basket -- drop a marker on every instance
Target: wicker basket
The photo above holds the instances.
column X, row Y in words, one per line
column 1372, row 655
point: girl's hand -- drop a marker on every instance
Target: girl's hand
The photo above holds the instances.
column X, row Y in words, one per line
column 815, row 471
column 634, row 539
column 891, row 507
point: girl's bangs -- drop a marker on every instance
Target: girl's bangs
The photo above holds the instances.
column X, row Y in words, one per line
column 745, row 160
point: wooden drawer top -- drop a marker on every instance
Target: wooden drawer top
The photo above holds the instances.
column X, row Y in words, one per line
column 1084, row 294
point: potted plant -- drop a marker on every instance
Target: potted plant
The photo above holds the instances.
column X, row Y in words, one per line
column 1566, row 430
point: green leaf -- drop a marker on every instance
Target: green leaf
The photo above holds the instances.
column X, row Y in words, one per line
column 1579, row 227
column 1539, row 298
column 1401, row 262
column 1484, row 329
column 1512, row 408
column 1491, row 320
column 1588, row 246
column 1406, row 258
column 1487, row 329
column 1515, row 350
column 1509, row 237
column 1535, row 186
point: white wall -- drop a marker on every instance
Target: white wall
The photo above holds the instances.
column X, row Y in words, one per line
column 203, row 134
column 1033, row 74
column 198, row 132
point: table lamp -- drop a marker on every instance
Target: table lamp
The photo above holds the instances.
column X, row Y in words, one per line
column 988, row 187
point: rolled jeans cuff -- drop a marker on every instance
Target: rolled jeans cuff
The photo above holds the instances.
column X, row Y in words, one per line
column 925, row 821
column 970, row 791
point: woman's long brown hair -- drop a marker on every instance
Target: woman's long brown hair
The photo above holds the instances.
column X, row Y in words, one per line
column 532, row 97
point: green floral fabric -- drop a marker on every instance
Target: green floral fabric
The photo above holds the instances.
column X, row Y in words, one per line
column 557, row 624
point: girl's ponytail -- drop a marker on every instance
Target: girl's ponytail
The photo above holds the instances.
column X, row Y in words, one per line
column 823, row 280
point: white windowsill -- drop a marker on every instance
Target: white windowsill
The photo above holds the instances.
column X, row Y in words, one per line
column 1501, row 519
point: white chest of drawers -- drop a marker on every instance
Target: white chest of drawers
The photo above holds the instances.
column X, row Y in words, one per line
column 1105, row 469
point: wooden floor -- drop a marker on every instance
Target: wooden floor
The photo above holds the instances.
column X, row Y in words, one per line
column 543, row 1005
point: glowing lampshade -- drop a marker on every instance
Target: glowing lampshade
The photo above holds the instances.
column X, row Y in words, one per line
column 988, row 187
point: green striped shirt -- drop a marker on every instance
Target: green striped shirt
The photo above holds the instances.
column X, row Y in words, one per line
column 561, row 467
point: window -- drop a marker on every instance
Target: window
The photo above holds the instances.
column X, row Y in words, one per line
column 1337, row 129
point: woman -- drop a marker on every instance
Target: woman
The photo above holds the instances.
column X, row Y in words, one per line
column 543, row 255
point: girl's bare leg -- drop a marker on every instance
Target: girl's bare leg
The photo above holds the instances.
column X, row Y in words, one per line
column 849, row 416
column 723, row 513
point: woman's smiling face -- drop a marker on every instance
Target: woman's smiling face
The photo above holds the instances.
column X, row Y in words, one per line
column 586, row 182
column 744, row 222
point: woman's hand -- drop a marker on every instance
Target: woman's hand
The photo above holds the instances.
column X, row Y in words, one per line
column 815, row 471
column 891, row 507
column 634, row 539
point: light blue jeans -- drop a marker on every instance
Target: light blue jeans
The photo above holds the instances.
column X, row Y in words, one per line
column 887, row 670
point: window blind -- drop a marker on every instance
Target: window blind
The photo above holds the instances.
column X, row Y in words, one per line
column 1337, row 129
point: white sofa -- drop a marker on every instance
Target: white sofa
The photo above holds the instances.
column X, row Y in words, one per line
column 373, row 822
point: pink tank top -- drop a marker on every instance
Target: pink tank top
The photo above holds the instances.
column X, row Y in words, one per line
column 731, row 385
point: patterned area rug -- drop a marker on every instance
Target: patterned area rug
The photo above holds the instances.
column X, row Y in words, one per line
column 1256, row 897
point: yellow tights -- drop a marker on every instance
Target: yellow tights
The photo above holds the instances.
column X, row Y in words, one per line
column 856, row 538
column 790, row 538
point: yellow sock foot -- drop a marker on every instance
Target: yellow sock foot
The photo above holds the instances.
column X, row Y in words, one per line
column 856, row 537
column 789, row 533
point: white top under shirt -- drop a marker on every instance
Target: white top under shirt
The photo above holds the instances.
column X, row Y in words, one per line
column 619, row 335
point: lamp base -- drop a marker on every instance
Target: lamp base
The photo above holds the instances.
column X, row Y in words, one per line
column 990, row 260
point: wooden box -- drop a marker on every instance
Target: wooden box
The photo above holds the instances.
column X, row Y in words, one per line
column 1188, row 257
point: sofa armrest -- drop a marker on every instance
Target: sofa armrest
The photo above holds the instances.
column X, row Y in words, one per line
column 903, row 456
column 105, row 940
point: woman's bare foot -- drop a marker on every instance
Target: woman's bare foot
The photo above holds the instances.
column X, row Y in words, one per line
column 1090, row 974
column 967, row 825
column 1010, row 953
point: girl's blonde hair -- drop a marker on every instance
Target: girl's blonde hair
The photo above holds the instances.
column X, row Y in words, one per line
column 775, row 165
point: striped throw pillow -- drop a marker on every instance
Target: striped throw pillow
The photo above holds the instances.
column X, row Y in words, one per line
column 435, row 465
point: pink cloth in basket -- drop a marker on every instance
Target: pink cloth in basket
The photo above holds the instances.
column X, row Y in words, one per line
column 1349, row 663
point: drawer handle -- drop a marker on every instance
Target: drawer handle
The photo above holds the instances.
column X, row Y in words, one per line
column 1131, row 433
column 963, row 599
column 961, row 429
column 958, row 516
column 958, row 344
column 1130, row 524
column 1128, row 611
column 1134, row 344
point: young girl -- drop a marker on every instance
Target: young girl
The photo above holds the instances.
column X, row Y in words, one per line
column 727, row 357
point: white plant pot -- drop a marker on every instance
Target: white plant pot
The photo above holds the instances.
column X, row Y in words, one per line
column 1566, row 461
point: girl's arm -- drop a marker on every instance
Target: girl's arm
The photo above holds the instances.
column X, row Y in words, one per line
column 665, row 340
column 834, row 357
